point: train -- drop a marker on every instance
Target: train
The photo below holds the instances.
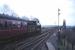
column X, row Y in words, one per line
column 11, row 27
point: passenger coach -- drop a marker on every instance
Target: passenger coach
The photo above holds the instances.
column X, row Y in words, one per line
column 14, row 27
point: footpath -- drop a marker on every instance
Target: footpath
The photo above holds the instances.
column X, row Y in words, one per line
column 52, row 42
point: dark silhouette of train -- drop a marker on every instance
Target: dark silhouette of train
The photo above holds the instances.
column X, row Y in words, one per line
column 11, row 27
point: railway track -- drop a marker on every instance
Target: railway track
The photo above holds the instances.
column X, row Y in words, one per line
column 33, row 44
column 41, row 43
column 29, row 44
column 9, row 40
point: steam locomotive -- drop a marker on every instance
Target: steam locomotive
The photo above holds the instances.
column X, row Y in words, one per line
column 13, row 26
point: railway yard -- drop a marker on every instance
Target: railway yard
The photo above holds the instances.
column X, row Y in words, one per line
column 37, row 25
column 38, row 42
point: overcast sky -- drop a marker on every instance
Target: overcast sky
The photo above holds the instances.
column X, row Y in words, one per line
column 45, row 10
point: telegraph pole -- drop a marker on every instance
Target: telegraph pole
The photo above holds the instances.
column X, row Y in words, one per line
column 58, row 31
column 58, row 18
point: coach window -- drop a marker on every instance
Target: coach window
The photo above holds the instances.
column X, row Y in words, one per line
column 18, row 24
column 10, row 24
column 25, row 23
column 21, row 24
column 6, row 24
column 14, row 24
column 0, row 24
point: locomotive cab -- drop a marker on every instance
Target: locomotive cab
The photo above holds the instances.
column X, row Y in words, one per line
column 31, row 26
column 38, row 25
column 34, row 26
column 38, row 30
